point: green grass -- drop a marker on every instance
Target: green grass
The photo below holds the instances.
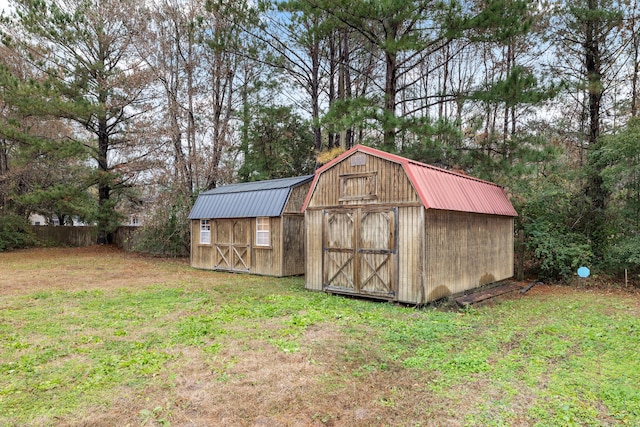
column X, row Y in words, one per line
column 571, row 360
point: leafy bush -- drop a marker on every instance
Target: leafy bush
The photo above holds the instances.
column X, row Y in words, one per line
column 558, row 251
column 623, row 254
column 167, row 231
column 15, row 232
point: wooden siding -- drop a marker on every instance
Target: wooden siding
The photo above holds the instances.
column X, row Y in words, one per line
column 410, row 277
column 268, row 260
column 439, row 252
column 201, row 255
column 365, row 180
column 296, row 198
column 359, row 250
column 226, row 254
column 465, row 250
column 313, row 252
column 220, row 255
column 293, row 242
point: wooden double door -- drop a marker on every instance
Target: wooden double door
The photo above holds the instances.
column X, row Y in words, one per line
column 360, row 251
column 232, row 245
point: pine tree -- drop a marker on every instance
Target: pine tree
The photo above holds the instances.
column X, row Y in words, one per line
column 589, row 31
column 42, row 167
column 91, row 78
column 280, row 146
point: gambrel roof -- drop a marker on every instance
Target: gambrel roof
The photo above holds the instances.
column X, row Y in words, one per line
column 247, row 199
column 438, row 188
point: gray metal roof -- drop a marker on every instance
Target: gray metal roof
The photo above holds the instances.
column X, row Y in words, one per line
column 247, row 199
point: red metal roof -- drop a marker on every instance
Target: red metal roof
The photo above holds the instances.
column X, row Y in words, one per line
column 441, row 189
column 438, row 188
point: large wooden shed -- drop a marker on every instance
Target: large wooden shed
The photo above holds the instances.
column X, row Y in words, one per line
column 383, row 226
column 254, row 227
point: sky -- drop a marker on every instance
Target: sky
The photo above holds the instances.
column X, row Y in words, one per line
column 4, row 4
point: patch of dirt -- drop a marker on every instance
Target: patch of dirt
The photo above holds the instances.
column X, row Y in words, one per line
column 546, row 291
column 264, row 387
column 600, row 290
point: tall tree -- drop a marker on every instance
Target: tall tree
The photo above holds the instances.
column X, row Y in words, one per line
column 168, row 41
column 291, row 36
column 633, row 33
column 400, row 30
column 93, row 79
column 42, row 169
column 409, row 33
column 590, row 31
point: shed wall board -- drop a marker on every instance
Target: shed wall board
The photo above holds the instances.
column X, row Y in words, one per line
column 267, row 260
column 410, row 226
column 201, row 255
column 465, row 250
column 296, row 198
column 293, row 238
column 313, row 252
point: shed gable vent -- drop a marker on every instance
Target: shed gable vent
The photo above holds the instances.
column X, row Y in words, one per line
column 358, row 159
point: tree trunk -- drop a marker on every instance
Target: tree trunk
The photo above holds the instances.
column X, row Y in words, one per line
column 505, row 126
column 442, row 108
column 390, row 89
column 105, row 211
column 191, row 163
column 348, row 139
column 636, row 65
column 594, row 189
column 332, row 88
column 594, row 77
column 315, row 92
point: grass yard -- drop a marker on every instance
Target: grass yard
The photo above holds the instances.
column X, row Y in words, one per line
column 97, row 337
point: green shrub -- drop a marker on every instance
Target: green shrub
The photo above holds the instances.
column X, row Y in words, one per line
column 15, row 232
column 623, row 254
column 559, row 252
column 167, row 232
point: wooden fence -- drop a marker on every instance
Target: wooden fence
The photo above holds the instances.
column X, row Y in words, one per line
column 124, row 237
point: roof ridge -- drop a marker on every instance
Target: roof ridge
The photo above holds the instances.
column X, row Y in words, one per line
column 406, row 160
column 271, row 184
column 461, row 175
column 242, row 191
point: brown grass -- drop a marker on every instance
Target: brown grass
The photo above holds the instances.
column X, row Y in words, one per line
column 94, row 267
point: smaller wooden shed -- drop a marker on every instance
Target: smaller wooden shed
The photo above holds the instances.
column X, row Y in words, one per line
column 383, row 226
column 253, row 227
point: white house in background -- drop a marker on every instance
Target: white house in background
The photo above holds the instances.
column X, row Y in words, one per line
column 131, row 220
column 134, row 221
column 132, row 214
column 135, row 213
column 38, row 219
